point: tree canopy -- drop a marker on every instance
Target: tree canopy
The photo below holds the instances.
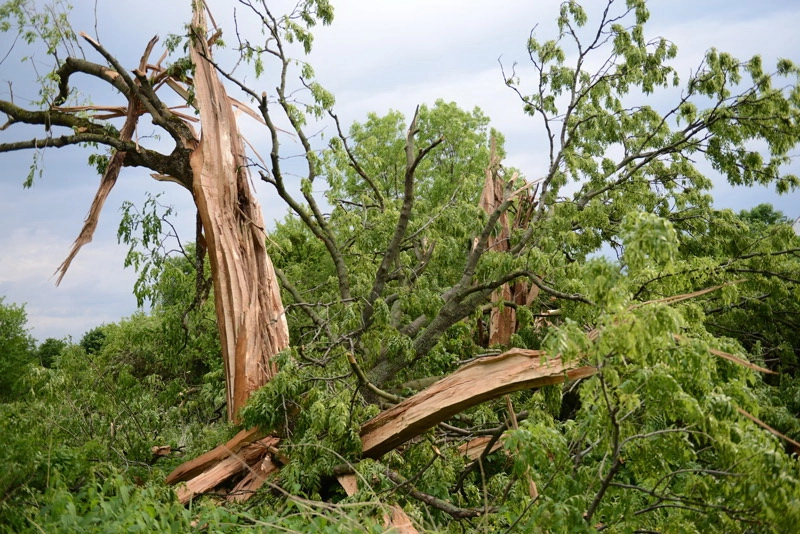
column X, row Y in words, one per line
column 431, row 273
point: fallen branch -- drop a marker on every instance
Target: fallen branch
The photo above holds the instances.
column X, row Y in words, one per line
column 445, row 506
column 474, row 383
column 765, row 426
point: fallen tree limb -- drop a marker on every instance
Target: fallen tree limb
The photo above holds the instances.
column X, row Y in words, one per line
column 248, row 459
column 476, row 382
column 192, row 468
column 472, row 384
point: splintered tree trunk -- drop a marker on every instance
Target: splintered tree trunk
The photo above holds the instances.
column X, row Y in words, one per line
column 503, row 320
column 250, row 315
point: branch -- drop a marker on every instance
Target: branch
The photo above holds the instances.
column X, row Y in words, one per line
column 616, row 463
column 470, row 385
column 298, row 300
column 445, row 506
column 369, row 385
column 73, row 65
column 106, row 184
column 48, row 118
column 393, row 248
column 316, row 223
column 354, row 162
column 768, row 428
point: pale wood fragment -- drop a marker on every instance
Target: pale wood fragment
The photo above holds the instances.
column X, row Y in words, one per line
column 398, row 522
column 192, row 468
column 474, row 383
column 349, row 482
column 258, row 475
column 474, row 447
column 244, row 459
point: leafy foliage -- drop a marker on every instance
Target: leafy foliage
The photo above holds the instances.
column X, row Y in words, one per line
column 627, row 266
column 16, row 346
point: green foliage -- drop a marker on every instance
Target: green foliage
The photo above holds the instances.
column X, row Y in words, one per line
column 47, row 25
column 48, row 352
column 623, row 263
column 16, row 349
column 655, row 441
column 146, row 253
column 78, row 437
column 650, row 242
column 763, row 214
column 94, row 340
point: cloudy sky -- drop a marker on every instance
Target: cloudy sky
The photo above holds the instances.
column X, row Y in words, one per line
column 377, row 55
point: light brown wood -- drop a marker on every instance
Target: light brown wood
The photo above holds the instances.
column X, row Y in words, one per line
column 503, row 319
column 398, row 522
column 474, row 383
column 474, row 447
column 255, row 478
column 250, row 313
column 247, row 458
column 192, row 468
column 349, row 483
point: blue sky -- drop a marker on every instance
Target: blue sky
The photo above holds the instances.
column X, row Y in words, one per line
column 377, row 55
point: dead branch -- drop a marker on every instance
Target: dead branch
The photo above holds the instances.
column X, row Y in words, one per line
column 106, row 184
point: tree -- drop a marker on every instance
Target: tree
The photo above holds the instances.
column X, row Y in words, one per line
column 392, row 290
column 16, row 349
column 48, row 352
column 406, row 283
column 210, row 164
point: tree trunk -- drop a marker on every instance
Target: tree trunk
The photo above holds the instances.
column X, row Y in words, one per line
column 250, row 316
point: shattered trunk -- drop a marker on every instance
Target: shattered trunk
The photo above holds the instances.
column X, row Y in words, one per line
column 250, row 316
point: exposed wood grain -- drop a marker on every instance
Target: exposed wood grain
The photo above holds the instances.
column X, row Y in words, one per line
column 250, row 313
column 398, row 522
column 192, row 468
column 227, row 468
column 469, row 386
column 256, row 477
column 474, row 447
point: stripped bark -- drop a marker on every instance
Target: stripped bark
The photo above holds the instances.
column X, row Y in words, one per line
column 474, row 448
column 132, row 113
column 250, row 313
column 247, row 459
column 503, row 319
column 192, row 468
column 472, row 384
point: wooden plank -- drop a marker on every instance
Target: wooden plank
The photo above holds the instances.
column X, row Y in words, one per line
column 474, row 383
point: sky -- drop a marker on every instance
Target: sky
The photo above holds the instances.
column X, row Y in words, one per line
column 377, row 56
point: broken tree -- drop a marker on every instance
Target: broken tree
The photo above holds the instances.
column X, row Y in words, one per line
column 210, row 164
column 385, row 282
